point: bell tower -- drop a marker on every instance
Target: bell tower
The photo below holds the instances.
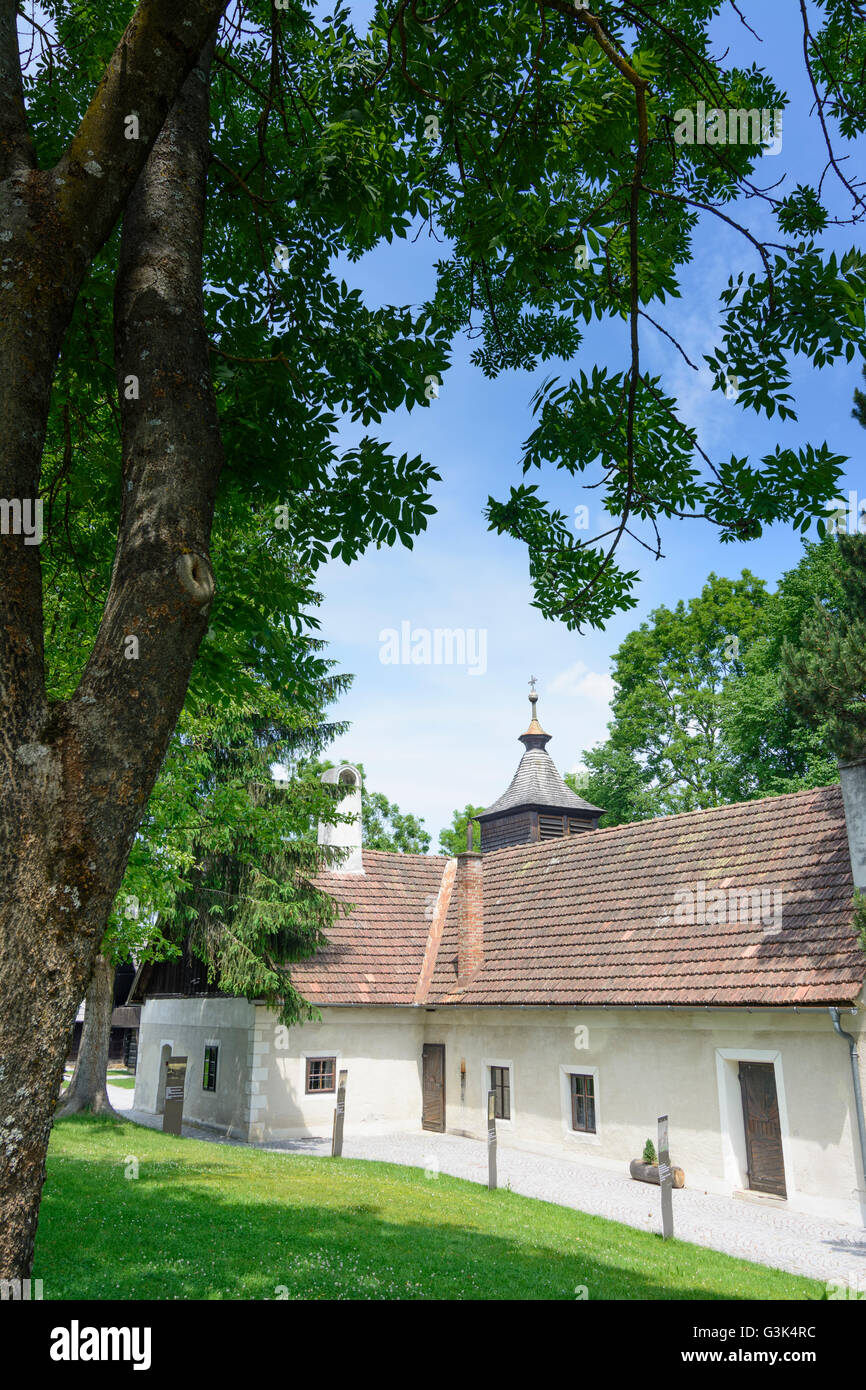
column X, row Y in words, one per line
column 537, row 805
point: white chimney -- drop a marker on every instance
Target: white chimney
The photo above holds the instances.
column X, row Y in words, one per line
column 853, row 778
column 347, row 834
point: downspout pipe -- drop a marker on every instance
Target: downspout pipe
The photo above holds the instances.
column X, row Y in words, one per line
column 858, row 1092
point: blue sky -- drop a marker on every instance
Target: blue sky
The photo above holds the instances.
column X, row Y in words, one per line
column 433, row 737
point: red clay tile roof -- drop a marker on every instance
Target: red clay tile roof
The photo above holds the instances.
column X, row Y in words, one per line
column 375, row 955
column 590, row 919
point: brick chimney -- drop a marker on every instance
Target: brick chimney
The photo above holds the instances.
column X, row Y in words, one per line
column 853, row 778
column 469, row 898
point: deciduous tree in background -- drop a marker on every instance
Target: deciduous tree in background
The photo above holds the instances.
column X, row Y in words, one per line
column 668, row 706
column 701, row 714
column 386, row 827
column 383, row 825
column 452, row 840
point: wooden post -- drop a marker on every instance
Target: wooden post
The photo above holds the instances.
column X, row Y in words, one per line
column 175, row 1078
column 491, row 1141
column 339, row 1115
column 666, row 1179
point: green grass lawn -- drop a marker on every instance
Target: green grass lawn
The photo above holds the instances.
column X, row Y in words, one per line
column 120, row 1078
column 204, row 1220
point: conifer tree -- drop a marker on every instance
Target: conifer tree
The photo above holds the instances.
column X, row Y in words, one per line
column 824, row 675
column 859, row 411
column 252, row 904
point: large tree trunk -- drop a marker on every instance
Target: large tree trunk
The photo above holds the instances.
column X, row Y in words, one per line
column 75, row 777
column 87, row 1090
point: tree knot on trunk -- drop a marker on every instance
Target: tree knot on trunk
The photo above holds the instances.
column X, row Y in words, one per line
column 196, row 576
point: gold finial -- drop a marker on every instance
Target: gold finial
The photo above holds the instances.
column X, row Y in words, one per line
column 535, row 730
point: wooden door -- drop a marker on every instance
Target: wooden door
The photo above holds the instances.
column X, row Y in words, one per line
column 763, row 1130
column 433, row 1087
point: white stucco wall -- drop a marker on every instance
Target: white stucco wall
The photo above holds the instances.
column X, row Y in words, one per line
column 645, row 1063
column 380, row 1049
column 188, row 1026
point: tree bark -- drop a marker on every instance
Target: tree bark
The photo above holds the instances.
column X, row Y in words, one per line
column 87, row 1090
column 75, row 776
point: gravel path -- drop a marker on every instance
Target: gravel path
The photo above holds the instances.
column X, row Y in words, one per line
column 820, row 1249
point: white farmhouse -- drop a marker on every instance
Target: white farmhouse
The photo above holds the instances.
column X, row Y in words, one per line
column 701, row 965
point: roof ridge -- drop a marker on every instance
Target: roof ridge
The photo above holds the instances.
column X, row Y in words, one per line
column 664, row 820
column 727, row 806
column 402, row 854
column 605, row 829
column 434, row 936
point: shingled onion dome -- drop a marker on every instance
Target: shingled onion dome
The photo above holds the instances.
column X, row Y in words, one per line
column 538, row 805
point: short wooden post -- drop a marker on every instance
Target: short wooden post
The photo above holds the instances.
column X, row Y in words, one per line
column 491, row 1141
column 339, row 1115
column 666, row 1179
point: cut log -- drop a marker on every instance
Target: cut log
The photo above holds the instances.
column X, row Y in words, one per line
column 649, row 1172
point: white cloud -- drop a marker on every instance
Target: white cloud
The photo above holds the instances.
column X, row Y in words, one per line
column 579, row 681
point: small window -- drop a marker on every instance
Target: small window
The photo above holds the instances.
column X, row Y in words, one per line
column 208, row 1082
column 321, row 1073
column 500, row 1084
column 582, row 1103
